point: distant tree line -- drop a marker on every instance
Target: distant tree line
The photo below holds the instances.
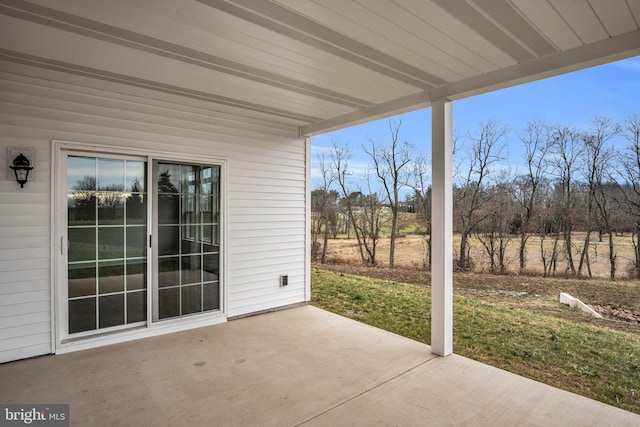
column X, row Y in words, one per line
column 570, row 180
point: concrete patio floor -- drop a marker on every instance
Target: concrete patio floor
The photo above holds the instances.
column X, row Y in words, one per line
column 302, row 366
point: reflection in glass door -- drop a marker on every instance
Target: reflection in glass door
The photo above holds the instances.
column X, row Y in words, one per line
column 107, row 253
column 188, row 258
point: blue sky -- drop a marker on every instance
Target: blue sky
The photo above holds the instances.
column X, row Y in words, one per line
column 570, row 99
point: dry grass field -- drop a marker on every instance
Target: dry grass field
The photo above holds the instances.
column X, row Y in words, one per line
column 411, row 252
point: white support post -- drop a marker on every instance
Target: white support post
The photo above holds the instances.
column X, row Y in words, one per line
column 307, row 213
column 441, row 229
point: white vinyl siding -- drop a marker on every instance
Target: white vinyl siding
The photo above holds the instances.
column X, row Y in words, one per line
column 25, row 266
column 266, row 197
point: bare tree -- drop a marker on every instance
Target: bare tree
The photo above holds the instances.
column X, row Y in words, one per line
column 391, row 166
column 82, row 206
column 597, row 161
column 565, row 150
column 482, row 156
column 368, row 221
column 548, row 222
column 325, row 204
column 421, row 185
column 316, row 223
column 324, row 211
column 340, row 156
column 363, row 211
column 495, row 230
column 527, row 185
column 630, row 180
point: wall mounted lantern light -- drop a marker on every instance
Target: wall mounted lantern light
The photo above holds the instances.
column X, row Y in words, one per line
column 21, row 167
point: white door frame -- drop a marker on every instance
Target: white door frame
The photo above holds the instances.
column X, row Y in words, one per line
column 62, row 342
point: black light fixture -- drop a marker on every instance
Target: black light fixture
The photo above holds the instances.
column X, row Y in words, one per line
column 21, row 167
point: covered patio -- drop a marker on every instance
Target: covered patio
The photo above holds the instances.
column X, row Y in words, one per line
column 301, row 366
column 239, row 87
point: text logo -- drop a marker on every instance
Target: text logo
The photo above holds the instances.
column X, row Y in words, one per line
column 34, row 415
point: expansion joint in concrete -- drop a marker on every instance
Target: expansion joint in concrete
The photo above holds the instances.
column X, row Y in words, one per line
column 362, row 393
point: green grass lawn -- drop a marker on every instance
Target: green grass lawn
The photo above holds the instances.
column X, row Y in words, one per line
column 593, row 361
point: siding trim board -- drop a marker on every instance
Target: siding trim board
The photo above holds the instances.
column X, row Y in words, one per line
column 262, row 234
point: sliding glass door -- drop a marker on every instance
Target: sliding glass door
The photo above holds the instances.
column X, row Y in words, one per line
column 120, row 225
column 107, row 251
column 188, row 230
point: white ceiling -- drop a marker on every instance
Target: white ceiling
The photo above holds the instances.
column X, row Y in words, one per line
column 316, row 64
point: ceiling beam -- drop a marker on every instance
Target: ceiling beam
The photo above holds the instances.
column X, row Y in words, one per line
column 612, row 49
column 101, row 31
column 486, row 28
column 597, row 53
column 108, row 76
column 386, row 109
column 295, row 26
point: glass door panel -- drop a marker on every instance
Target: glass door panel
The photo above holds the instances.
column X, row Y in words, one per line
column 106, row 229
column 187, row 233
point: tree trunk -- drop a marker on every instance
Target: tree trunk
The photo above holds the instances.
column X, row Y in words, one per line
column 429, row 253
column 462, row 261
column 325, row 243
column 546, row 262
column 554, row 253
column 584, row 256
column 522, row 252
column 502, row 255
column 636, row 248
column 567, row 240
column 392, row 244
column 612, row 258
column 358, row 238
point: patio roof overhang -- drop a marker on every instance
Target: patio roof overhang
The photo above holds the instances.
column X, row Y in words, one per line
column 321, row 65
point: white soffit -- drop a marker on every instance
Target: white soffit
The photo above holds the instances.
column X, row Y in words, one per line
column 316, row 64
